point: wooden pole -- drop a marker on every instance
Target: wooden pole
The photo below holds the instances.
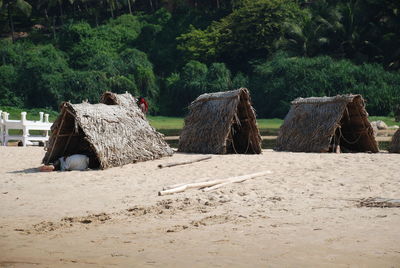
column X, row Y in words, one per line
column 184, row 187
column 66, row 144
column 203, row 184
column 184, row 162
column 237, row 180
column 55, row 140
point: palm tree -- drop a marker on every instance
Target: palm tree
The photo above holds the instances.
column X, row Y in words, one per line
column 52, row 3
column 129, row 5
column 11, row 5
column 305, row 40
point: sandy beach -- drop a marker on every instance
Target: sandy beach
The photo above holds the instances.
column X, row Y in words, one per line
column 305, row 214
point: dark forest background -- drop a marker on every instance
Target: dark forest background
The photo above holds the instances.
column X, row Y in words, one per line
column 171, row 51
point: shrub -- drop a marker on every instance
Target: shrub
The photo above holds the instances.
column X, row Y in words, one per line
column 194, row 79
column 8, row 80
column 277, row 82
column 38, row 76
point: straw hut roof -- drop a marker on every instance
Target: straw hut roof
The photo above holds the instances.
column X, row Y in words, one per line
column 219, row 123
column 126, row 100
column 319, row 124
column 111, row 135
column 395, row 144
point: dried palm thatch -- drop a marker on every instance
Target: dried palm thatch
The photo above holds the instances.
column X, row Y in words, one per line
column 111, row 135
column 126, row 100
column 321, row 124
column 220, row 123
column 395, row 144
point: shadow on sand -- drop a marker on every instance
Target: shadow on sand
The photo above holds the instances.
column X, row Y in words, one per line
column 25, row 171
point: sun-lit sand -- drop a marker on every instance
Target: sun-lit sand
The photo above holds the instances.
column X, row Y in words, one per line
column 305, row 214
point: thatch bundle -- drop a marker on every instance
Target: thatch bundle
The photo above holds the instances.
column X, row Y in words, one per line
column 111, row 135
column 395, row 144
column 323, row 124
column 126, row 100
column 219, row 123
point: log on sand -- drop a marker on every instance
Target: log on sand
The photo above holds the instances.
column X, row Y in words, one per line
column 212, row 184
column 379, row 202
column 184, row 162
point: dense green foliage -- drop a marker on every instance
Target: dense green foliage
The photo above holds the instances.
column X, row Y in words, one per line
column 171, row 51
column 282, row 79
column 87, row 62
column 194, row 79
column 247, row 33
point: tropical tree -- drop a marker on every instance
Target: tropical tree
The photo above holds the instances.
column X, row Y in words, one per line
column 361, row 30
column 11, row 6
column 249, row 32
column 53, row 3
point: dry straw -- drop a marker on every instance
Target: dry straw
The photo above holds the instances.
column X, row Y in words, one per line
column 220, row 123
column 112, row 133
column 395, row 144
column 319, row 124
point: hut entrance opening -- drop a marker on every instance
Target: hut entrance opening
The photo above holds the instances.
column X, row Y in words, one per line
column 72, row 140
column 352, row 133
column 242, row 135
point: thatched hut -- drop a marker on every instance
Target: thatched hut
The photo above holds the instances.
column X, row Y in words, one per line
column 395, row 144
column 325, row 124
column 111, row 135
column 220, row 123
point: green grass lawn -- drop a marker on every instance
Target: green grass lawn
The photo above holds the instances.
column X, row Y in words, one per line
column 388, row 120
column 165, row 122
column 171, row 126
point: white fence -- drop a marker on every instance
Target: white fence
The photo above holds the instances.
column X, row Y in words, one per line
column 26, row 126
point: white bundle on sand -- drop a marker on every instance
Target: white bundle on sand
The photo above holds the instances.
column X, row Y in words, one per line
column 74, row 162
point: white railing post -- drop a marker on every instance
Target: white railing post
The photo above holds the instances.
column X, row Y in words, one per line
column 23, row 117
column 46, row 120
column 1, row 128
column 26, row 126
column 5, row 129
column 25, row 130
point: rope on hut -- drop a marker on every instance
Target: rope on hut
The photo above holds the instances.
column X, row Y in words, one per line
column 346, row 140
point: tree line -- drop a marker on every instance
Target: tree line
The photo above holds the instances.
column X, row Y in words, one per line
column 171, row 51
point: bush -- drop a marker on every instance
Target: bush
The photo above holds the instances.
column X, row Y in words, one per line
column 39, row 76
column 135, row 63
column 11, row 53
column 249, row 32
column 121, row 84
column 194, row 79
column 84, row 85
column 240, row 80
column 218, row 78
column 277, row 82
column 8, row 80
column 120, row 32
column 73, row 33
column 83, row 54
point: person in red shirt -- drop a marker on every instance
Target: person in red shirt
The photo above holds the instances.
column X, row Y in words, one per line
column 143, row 105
